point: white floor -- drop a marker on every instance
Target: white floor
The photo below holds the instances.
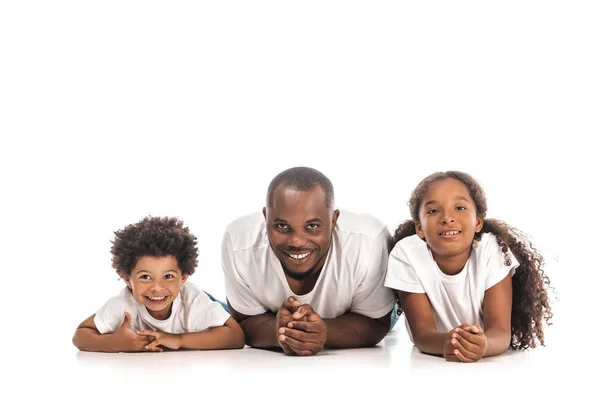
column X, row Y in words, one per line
column 392, row 369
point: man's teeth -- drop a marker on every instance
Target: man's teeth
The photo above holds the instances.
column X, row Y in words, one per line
column 157, row 298
column 299, row 256
column 450, row 233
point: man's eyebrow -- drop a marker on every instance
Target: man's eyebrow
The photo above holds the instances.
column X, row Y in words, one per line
column 277, row 219
column 313, row 220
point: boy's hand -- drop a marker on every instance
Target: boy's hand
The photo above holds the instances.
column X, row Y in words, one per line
column 170, row 340
column 470, row 343
column 131, row 341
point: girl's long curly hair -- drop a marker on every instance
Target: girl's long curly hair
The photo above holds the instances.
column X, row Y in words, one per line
column 531, row 305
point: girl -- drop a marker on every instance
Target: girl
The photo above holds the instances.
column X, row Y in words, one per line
column 470, row 287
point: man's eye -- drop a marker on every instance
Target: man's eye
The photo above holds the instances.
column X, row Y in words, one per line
column 312, row 227
column 432, row 211
column 282, row 227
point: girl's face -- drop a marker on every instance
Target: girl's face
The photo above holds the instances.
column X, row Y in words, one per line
column 448, row 219
column 155, row 283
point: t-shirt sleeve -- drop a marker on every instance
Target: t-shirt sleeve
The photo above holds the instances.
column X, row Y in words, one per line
column 239, row 295
column 206, row 313
column 371, row 298
column 496, row 261
column 111, row 315
column 400, row 274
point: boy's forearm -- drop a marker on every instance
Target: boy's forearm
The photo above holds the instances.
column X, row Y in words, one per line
column 260, row 331
column 87, row 339
column 221, row 337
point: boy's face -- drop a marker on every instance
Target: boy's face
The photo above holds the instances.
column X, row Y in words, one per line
column 155, row 283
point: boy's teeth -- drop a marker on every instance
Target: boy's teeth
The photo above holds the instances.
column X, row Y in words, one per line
column 156, row 298
column 449, row 233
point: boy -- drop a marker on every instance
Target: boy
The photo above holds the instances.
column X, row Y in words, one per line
column 158, row 309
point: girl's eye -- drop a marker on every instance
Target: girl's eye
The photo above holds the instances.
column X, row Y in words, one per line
column 169, row 276
column 145, row 277
column 461, row 208
column 432, row 211
column 312, row 227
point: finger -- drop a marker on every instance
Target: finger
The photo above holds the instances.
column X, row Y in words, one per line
column 466, row 348
column 301, row 348
column 154, row 344
column 303, row 310
column 476, row 339
column 476, row 329
column 310, row 327
column 126, row 320
column 291, row 303
column 300, row 335
column 461, row 357
column 146, row 332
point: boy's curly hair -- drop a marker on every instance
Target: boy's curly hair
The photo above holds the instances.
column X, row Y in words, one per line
column 154, row 237
column 531, row 305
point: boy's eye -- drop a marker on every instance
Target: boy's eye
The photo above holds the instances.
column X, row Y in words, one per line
column 169, row 276
column 145, row 277
column 311, row 227
column 461, row 208
column 432, row 211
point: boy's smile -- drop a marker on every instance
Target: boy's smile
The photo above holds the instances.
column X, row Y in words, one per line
column 155, row 282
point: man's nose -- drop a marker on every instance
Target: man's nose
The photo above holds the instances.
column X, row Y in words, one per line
column 296, row 239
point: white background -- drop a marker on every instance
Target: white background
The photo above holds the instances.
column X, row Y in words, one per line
column 114, row 110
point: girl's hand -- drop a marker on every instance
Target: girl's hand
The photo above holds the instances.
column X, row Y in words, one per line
column 449, row 348
column 470, row 343
column 170, row 340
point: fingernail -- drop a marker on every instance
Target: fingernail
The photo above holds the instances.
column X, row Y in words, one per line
column 455, row 351
column 281, row 330
column 282, row 338
column 453, row 341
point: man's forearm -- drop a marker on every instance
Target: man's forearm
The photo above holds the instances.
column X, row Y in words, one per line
column 260, row 331
column 356, row 330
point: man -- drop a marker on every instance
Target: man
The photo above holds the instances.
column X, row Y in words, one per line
column 302, row 275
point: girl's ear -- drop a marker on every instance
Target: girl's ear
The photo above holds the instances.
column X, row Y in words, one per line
column 478, row 224
column 419, row 230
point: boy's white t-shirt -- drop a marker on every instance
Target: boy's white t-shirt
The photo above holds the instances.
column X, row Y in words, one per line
column 351, row 279
column 193, row 311
column 455, row 299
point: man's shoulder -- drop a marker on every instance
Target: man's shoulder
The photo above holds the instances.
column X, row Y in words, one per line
column 247, row 231
column 360, row 224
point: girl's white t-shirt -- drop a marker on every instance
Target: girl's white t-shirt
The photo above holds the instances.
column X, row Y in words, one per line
column 455, row 299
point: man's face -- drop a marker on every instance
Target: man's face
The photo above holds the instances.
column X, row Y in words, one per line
column 300, row 227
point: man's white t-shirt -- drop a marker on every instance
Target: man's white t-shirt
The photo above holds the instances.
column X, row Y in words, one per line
column 351, row 279
column 193, row 311
column 455, row 299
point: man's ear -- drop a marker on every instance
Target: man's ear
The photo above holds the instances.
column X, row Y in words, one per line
column 419, row 230
column 478, row 224
column 336, row 215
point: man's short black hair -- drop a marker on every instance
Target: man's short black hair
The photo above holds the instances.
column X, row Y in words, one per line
column 302, row 179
